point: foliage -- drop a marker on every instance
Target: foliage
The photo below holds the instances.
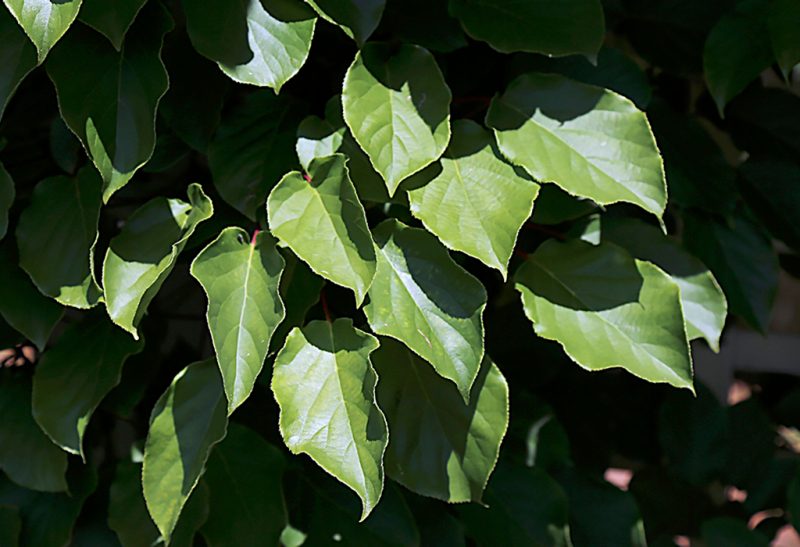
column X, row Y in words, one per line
column 435, row 248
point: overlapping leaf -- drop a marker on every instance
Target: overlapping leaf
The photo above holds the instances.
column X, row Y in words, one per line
column 588, row 140
column 357, row 18
column 111, row 19
column 17, row 57
column 44, row 21
column 141, row 257
column 478, row 202
column 439, row 446
column 607, row 309
column 340, row 426
column 427, row 301
column 240, row 278
column 127, row 512
column 323, row 222
column 396, row 103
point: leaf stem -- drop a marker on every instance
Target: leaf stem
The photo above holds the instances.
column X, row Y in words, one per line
column 255, row 234
column 307, row 177
column 323, row 299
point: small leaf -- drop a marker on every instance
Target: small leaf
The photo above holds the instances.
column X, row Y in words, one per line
column 246, row 498
column 116, row 121
column 428, row 302
column 187, row 421
column 111, row 19
column 63, row 212
column 439, row 446
column 44, row 21
column 396, row 103
column 17, row 57
column 7, row 194
column 240, row 278
column 783, row 20
column 74, row 375
column 607, row 310
column 323, row 223
column 357, row 18
column 258, row 42
column 478, row 203
column 325, row 386
column 559, row 131
column 127, row 512
column 537, row 26
column 141, row 257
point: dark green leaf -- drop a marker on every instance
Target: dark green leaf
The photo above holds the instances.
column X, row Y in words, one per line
column 17, row 57
column 112, row 19
column 7, row 194
column 127, row 512
column 730, row 532
column 10, row 525
column 771, row 189
column 783, row 21
column 358, row 18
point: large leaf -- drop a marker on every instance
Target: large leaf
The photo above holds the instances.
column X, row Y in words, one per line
column 438, row 445
column 783, row 20
column 252, row 150
column 588, row 140
column 258, row 42
column 607, row 309
column 26, row 454
column 187, row 421
column 246, row 499
column 478, row 202
column 240, row 277
column 116, row 121
column 63, row 213
column 538, row 26
column 428, row 302
column 771, row 190
column 112, row 19
column 323, row 222
column 357, row 18
column 741, row 256
column 325, row 385
column 396, row 103
column 73, row 377
column 7, row 194
column 141, row 257
column 44, row 21
column 703, row 302
column 17, row 57
column 127, row 512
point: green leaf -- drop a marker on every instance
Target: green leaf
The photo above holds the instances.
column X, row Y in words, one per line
column 17, row 57
column 783, row 20
column 253, row 149
column 438, row 445
column 323, row 223
column 73, row 377
column 357, row 18
column 590, row 141
column 478, row 202
column 421, row 297
column 258, row 42
column 23, row 307
column 554, row 206
column 538, row 26
column 141, row 257
column 26, row 454
column 742, row 259
column 240, row 278
column 116, row 121
column 111, row 19
column 325, row 386
column 246, row 498
column 187, row 421
column 63, row 214
column 703, row 302
column 299, row 289
column 44, row 21
column 127, row 512
column 194, row 515
column 396, row 103
column 10, row 525
column 607, row 310
column 437, row 30
column 770, row 187
column 7, row 194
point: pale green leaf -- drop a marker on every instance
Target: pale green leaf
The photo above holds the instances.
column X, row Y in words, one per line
column 590, row 141
column 478, row 202
column 703, row 302
column 7, row 194
column 240, row 277
column 26, row 454
column 421, row 297
column 44, row 21
column 246, row 497
column 539, row 26
column 187, row 421
column 440, row 446
column 73, row 377
column 141, row 257
column 17, row 57
column 396, row 103
column 115, row 122
column 357, row 18
column 607, row 310
column 258, row 42
column 111, row 19
column 783, row 20
column 63, row 212
column 127, row 512
column 325, row 386
column 323, row 223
